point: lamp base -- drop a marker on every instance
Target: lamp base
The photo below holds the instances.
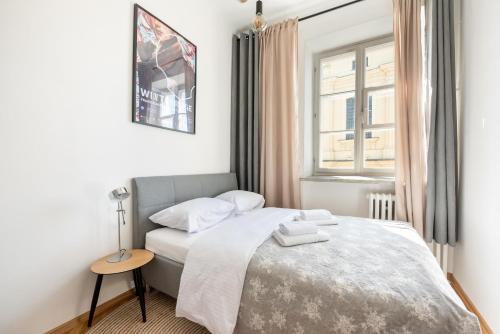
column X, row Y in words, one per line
column 119, row 257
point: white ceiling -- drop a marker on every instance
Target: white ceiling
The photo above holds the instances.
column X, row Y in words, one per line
column 275, row 8
column 242, row 13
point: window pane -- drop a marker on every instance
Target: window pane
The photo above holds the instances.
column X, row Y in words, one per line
column 379, row 69
column 380, row 107
column 379, row 148
column 337, row 112
column 338, row 74
column 337, row 150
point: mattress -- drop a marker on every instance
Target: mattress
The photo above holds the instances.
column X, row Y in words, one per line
column 171, row 243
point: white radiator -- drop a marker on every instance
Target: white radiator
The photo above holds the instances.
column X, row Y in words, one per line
column 443, row 254
column 381, row 206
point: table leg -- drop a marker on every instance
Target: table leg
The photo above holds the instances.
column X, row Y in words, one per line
column 95, row 297
column 141, row 294
column 136, row 283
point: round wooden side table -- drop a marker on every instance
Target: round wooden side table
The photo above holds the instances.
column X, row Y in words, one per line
column 101, row 267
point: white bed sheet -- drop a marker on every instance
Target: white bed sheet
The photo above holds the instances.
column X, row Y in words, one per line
column 171, row 243
column 214, row 272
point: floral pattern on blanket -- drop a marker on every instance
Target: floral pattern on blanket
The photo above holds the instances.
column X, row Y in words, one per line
column 366, row 279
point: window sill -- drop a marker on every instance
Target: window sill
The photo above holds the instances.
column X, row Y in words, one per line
column 349, row 179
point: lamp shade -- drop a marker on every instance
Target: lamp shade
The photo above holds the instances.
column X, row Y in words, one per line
column 120, row 193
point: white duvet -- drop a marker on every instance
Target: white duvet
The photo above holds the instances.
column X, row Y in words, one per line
column 216, row 264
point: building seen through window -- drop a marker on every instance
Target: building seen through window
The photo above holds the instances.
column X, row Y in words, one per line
column 356, row 119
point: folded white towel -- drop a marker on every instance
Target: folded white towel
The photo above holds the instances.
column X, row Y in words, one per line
column 315, row 214
column 319, row 222
column 324, row 222
column 298, row 228
column 293, row 240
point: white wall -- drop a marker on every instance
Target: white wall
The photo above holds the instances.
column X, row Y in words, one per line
column 67, row 139
column 362, row 21
column 477, row 254
column 341, row 197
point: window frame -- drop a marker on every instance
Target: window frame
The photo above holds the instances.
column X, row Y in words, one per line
column 361, row 109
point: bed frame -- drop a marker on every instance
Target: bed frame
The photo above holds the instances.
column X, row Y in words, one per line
column 152, row 194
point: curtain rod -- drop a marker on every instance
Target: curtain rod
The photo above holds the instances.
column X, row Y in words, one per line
column 328, row 10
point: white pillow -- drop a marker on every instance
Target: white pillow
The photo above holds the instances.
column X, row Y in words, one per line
column 243, row 200
column 194, row 215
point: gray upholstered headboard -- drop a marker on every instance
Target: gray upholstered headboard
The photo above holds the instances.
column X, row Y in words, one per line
column 155, row 193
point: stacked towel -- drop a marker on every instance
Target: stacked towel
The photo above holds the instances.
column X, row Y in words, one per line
column 304, row 230
column 320, row 222
column 317, row 217
column 298, row 228
column 293, row 240
column 318, row 214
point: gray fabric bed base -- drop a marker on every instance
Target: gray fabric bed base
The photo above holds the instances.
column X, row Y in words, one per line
column 164, row 275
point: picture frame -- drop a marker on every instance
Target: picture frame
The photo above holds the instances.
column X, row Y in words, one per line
column 163, row 75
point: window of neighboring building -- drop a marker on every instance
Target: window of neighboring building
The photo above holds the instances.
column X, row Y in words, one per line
column 354, row 127
column 370, row 114
column 349, row 117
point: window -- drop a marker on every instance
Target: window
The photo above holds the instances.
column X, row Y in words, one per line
column 354, row 110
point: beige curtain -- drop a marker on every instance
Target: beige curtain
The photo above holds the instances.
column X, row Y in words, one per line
column 410, row 119
column 279, row 166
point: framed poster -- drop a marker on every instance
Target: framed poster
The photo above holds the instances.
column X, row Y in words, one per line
column 164, row 75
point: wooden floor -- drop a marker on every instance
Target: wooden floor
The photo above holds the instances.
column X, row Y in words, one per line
column 485, row 328
column 79, row 324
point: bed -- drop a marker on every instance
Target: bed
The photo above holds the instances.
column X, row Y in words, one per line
column 371, row 277
column 152, row 194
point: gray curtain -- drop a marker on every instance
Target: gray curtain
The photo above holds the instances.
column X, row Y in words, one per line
column 441, row 212
column 245, row 111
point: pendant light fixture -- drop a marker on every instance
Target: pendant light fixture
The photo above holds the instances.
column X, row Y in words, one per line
column 259, row 23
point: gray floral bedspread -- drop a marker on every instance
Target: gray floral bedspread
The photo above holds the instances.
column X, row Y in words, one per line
column 366, row 279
